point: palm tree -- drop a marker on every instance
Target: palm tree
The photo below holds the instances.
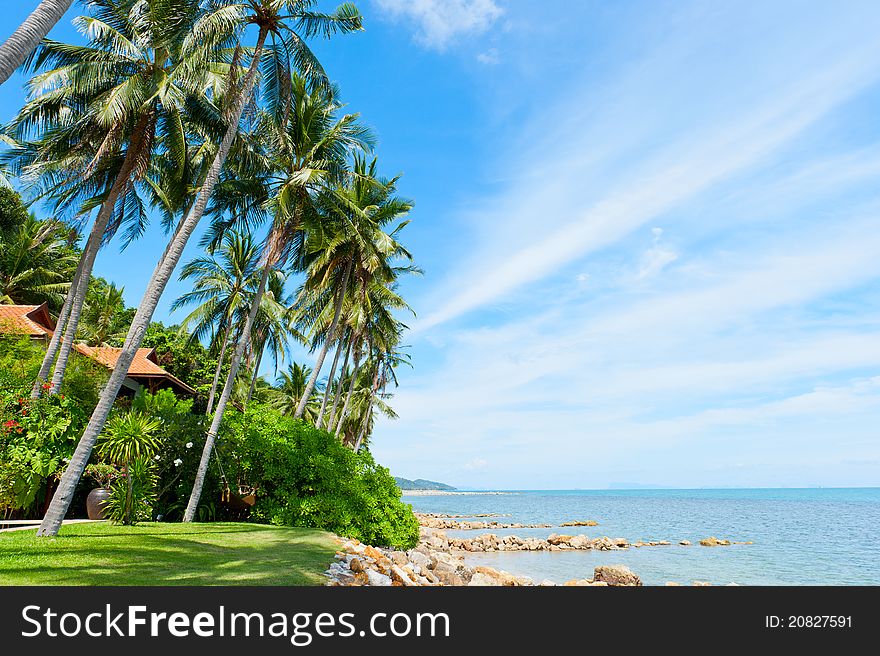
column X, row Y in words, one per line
column 36, row 263
column 290, row 386
column 273, row 329
column 220, row 288
column 27, row 37
column 104, row 318
column 239, row 94
column 353, row 238
column 268, row 16
column 311, row 147
column 102, row 111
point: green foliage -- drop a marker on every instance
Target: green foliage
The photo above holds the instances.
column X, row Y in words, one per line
column 306, row 477
column 102, row 473
column 129, row 440
column 187, row 359
column 132, row 496
column 181, row 435
column 13, row 213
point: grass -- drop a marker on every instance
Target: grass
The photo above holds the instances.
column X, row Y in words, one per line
column 167, row 554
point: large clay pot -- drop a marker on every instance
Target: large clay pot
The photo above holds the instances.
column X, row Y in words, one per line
column 95, row 502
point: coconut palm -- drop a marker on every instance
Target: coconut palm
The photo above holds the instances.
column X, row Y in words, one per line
column 309, row 146
column 268, row 16
column 352, row 240
column 220, row 289
column 100, row 112
column 36, row 263
column 104, row 317
column 273, row 329
column 290, row 386
column 27, row 37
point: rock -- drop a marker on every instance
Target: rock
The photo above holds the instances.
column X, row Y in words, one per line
column 400, row 576
column 577, row 583
column 419, row 558
column 480, row 579
column 372, row 552
column 399, row 558
column 701, row 584
column 356, row 565
column 685, row 543
column 555, row 539
column 603, row 544
column 670, row 584
column 498, row 576
column 376, row 579
column 616, row 575
column 714, row 542
column 588, row 522
column 580, row 542
column 547, row 583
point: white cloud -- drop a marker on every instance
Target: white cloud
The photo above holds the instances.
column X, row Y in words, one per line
column 698, row 158
column 439, row 22
column 489, row 57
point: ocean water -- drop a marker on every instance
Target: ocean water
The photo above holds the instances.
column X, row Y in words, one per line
column 801, row 536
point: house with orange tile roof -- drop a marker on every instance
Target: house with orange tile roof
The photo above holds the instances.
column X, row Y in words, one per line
column 144, row 372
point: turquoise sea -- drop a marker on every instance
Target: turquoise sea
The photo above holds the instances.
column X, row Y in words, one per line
column 817, row 536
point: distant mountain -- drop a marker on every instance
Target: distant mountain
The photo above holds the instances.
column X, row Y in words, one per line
column 421, row 484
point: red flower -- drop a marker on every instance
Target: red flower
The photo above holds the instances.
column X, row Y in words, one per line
column 47, row 386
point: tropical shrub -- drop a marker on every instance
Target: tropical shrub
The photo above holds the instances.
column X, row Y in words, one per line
column 306, row 477
column 129, row 440
column 37, row 437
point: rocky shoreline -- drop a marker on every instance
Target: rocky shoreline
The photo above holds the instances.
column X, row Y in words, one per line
column 358, row 564
column 439, row 560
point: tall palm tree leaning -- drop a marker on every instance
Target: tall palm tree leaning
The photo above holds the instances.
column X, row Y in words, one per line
column 27, row 37
column 94, row 100
column 265, row 14
column 310, row 146
column 220, row 288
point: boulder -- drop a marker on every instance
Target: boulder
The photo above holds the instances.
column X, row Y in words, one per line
column 376, row 579
column 685, row 543
column 399, row 558
column 714, row 542
column 616, row 575
column 400, row 576
column 580, row 542
column 356, row 565
column 555, row 539
column 588, row 522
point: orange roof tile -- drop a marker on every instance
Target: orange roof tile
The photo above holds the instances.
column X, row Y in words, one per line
column 143, row 365
column 32, row 320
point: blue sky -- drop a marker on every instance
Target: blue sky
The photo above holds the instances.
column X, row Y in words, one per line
column 650, row 236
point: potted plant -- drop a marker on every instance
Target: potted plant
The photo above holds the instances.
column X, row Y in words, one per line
column 103, row 474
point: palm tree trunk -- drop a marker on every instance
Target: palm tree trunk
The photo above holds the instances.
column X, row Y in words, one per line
column 320, row 421
column 128, row 496
column 373, row 390
column 255, row 376
column 218, row 369
column 243, row 341
column 337, row 395
column 93, row 245
column 354, row 373
column 340, row 299
column 164, row 269
column 52, row 348
column 27, row 37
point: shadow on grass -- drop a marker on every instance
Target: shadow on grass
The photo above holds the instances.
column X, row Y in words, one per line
column 191, row 555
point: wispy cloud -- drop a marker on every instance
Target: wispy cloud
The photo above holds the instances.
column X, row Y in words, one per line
column 439, row 22
column 685, row 168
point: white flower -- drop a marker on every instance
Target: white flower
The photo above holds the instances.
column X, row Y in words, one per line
column 189, row 445
column 178, row 462
column 66, row 461
column 157, row 458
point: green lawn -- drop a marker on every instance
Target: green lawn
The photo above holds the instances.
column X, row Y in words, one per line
column 167, row 554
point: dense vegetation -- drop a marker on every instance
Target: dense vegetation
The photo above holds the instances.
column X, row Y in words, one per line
column 172, row 111
column 301, row 476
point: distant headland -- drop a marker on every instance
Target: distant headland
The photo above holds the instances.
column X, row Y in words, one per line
column 422, row 484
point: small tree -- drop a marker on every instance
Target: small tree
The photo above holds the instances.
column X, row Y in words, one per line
column 129, row 440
